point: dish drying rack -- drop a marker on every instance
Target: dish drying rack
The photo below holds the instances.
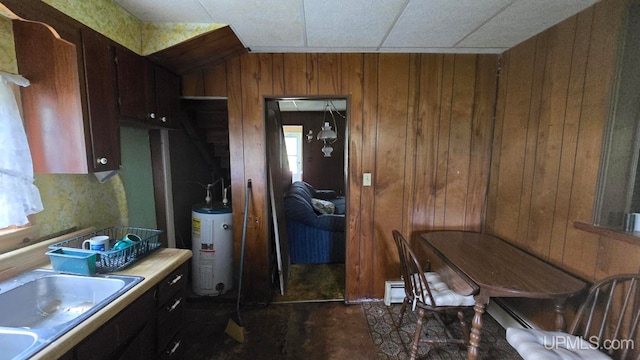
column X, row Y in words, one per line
column 114, row 260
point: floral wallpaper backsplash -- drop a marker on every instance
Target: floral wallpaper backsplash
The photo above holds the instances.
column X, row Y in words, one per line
column 158, row 36
column 8, row 61
column 108, row 18
column 80, row 200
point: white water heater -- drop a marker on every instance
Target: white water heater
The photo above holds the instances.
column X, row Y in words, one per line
column 212, row 247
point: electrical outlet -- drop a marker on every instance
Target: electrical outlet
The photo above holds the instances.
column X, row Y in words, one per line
column 366, row 179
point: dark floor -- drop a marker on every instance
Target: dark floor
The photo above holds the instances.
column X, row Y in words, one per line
column 330, row 330
column 298, row 328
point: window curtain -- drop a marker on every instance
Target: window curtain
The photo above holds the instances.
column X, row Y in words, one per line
column 19, row 196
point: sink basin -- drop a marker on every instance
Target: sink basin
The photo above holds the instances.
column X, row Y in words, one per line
column 14, row 342
column 39, row 306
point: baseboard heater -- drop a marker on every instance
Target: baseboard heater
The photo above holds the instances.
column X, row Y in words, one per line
column 505, row 315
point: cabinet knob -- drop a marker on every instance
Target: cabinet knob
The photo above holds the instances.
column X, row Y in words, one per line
column 152, row 115
column 102, row 161
column 163, row 119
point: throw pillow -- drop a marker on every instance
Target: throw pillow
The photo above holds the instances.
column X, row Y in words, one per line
column 323, row 206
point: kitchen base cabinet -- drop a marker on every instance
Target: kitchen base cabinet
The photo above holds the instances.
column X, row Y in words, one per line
column 115, row 338
column 149, row 328
column 171, row 311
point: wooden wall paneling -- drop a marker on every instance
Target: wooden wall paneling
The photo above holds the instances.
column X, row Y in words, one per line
column 390, row 154
column 295, row 74
column 427, row 132
column 329, row 74
column 256, row 83
column 595, row 108
column 236, row 151
column 367, row 204
column 193, row 83
column 512, row 120
column 460, row 140
column 278, row 74
column 442, row 154
column 481, row 140
column 549, row 138
column 352, row 81
column 616, row 257
column 491, row 218
column 313, row 75
column 215, row 80
column 570, row 135
column 410, row 153
column 529, row 163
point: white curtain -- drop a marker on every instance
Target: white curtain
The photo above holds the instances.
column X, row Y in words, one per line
column 19, row 197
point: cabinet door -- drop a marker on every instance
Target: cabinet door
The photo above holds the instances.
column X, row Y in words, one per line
column 100, row 79
column 167, row 94
column 113, row 339
column 52, row 104
column 134, row 90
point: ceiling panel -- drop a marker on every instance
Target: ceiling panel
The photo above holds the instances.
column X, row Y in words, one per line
column 522, row 20
column 261, row 23
column 361, row 22
column 441, row 23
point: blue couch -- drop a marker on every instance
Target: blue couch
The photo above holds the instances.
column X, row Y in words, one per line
column 314, row 238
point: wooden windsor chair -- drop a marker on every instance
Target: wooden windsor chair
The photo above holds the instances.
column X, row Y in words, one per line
column 427, row 293
column 605, row 327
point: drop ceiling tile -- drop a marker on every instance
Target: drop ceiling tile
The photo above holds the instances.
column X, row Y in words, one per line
column 259, row 22
column 339, row 23
column 441, row 23
column 522, row 20
column 175, row 11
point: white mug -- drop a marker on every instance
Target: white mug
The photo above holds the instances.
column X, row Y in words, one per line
column 97, row 243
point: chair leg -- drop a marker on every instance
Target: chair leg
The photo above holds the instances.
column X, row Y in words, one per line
column 463, row 327
column 403, row 308
column 416, row 336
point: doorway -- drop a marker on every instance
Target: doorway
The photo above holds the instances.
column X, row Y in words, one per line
column 296, row 153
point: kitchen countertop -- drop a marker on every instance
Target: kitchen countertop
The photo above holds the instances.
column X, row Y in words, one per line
column 154, row 267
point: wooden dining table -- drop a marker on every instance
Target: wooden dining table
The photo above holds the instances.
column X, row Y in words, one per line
column 498, row 269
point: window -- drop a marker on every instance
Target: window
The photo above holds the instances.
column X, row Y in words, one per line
column 19, row 197
column 293, row 142
column 619, row 180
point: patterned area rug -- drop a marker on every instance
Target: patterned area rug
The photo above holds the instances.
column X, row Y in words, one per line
column 395, row 343
column 313, row 283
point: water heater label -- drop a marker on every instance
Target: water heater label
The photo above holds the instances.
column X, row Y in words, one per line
column 195, row 227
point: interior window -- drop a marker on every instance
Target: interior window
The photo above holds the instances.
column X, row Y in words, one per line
column 293, row 142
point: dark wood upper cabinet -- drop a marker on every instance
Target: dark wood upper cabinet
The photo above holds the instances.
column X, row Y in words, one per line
column 167, row 97
column 148, row 94
column 134, row 96
column 52, row 104
column 100, row 80
column 70, row 108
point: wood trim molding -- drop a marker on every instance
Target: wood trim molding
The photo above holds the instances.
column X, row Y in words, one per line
column 626, row 236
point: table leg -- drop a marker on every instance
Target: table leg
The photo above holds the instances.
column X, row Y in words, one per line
column 560, row 321
column 476, row 327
